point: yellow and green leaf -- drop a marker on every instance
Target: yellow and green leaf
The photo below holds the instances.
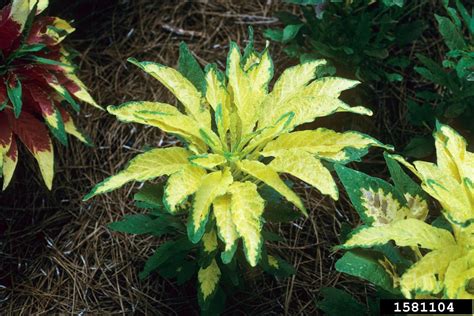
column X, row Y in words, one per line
column 326, row 144
column 408, row 232
column 207, row 161
column 225, row 226
column 181, row 87
column 180, row 185
column 208, row 283
column 427, row 275
column 212, row 186
column 270, row 177
column 247, row 209
column 459, row 277
column 306, row 167
column 149, row 165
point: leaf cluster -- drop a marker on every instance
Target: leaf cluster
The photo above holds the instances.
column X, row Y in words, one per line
column 453, row 76
column 356, row 36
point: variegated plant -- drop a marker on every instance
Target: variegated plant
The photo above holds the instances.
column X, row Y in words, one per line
column 447, row 269
column 36, row 75
column 238, row 136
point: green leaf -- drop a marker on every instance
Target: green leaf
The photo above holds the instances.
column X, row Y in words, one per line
column 452, row 36
column 391, row 3
column 442, row 222
column 46, row 61
column 163, row 253
column 186, row 272
column 144, row 224
column 433, row 71
column 285, row 35
column 277, row 208
column 276, row 266
column 15, row 96
column 151, row 194
column 190, row 68
column 402, row 181
column 419, row 114
column 69, row 98
column 273, row 34
column 337, row 302
column 360, row 264
column 290, row 32
column 468, row 19
column 419, row 147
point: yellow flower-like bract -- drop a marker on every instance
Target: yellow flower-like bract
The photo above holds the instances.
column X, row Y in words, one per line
column 231, row 130
column 448, row 269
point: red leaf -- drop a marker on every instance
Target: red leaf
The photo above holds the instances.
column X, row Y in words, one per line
column 38, row 96
column 70, row 85
column 9, row 29
column 13, row 151
column 30, row 131
column 38, row 31
column 5, row 132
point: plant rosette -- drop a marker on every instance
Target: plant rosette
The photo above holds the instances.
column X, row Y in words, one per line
column 37, row 81
column 238, row 136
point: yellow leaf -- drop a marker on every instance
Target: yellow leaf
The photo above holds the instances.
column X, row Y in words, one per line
column 207, row 161
column 241, row 88
column 209, row 241
column 180, row 185
column 260, row 74
column 247, row 208
column 427, row 275
column 408, row 232
column 453, row 195
column 45, row 159
column 324, row 143
column 290, row 83
column 330, row 86
column 269, row 176
column 164, row 116
column 20, row 9
column 149, row 165
column 450, row 152
column 82, row 93
column 225, row 226
column 219, row 99
column 459, row 277
column 267, row 134
column 213, row 185
column 308, row 101
column 71, row 128
column 10, row 160
column 181, row 87
column 273, row 262
column 63, row 27
column 307, row 168
column 41, row 5
column 208, row 279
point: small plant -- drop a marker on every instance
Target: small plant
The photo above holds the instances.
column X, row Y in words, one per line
column 237, row 136
column 396, row 248
column 37, row 78
column 356, row 36
column 453, row 98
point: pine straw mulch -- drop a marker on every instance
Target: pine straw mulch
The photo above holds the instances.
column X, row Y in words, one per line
column 57, row 256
